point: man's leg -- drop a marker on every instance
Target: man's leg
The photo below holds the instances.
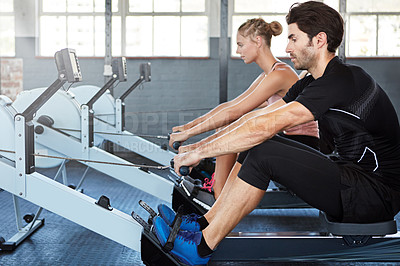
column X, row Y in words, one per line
column 311, row 175
column 303, row 170
column 307, row 172
column 241, row 199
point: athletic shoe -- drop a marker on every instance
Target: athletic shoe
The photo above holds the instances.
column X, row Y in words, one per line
column 185, row 245
column 189, row 222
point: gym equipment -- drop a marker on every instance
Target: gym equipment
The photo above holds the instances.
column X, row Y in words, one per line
column 338, row 242
column 56, row 145
column 106, row 121
column 189, row 195
column 17, row 165
column 185, row 194
column 110, row 119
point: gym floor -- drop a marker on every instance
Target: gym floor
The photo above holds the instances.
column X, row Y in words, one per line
column 61, row 242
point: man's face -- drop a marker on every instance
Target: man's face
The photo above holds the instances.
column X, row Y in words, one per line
column 300, row 48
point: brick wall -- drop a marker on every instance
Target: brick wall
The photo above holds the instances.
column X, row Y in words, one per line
column 11, row 77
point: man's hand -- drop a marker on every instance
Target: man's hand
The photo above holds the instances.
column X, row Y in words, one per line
column 177, row 137
column 187, row 148
column 178, row 129
column 190, row 159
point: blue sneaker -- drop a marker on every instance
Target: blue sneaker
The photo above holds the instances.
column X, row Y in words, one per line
column 185, row 245
column 189, row 222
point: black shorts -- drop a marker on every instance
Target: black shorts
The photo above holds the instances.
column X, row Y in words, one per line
column 342, row 190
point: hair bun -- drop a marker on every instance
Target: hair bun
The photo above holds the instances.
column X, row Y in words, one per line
column 276, row 28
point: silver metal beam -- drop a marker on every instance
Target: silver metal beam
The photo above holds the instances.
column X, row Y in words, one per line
column 223, row 52
column 74, row 206
column 70, row 147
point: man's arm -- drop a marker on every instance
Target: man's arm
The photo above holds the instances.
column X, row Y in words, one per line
column 228, row 128
column 247, row 132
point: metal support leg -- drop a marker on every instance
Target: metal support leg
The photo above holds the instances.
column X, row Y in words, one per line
column 82, row 178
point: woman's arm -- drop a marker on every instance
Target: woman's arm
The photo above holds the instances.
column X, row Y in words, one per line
column 261, row 89
column 218, row 109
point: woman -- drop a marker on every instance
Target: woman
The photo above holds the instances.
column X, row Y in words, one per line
column 253, row 45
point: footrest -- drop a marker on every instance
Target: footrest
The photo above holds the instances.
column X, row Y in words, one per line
column 370, row 229
column 140, row 221
column 145, row 206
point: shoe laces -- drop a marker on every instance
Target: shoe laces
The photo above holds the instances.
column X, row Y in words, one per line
column 190, row 237
column 208, row 184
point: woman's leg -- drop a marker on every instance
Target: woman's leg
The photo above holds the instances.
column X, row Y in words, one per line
column 223, row 167
column 225, row 191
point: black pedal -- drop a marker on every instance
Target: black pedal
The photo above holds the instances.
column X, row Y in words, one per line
column 142, row 222
column 152, row 253
column 145, row 206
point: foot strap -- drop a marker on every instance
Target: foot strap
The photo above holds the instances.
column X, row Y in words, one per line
column 169, row 245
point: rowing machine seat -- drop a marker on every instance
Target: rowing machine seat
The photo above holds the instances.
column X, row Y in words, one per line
column 370, row 229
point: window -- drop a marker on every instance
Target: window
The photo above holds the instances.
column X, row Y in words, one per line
column 167, row 28
column 372, row 29
column 268, row 10
column 7, row 28
column 77, row 24
column 139, row 28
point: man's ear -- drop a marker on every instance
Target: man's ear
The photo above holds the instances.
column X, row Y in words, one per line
column 321, row 39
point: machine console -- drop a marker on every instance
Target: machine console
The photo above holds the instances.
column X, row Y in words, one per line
column 145, row 71
column 68, row 65
column 119, row 68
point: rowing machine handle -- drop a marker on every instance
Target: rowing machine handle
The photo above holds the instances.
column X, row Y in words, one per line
column 176, row 144
column 183, row 170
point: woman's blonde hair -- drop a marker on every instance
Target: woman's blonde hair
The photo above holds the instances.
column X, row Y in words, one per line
column 258, row 27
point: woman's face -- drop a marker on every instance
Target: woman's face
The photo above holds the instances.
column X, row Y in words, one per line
column 246, row 48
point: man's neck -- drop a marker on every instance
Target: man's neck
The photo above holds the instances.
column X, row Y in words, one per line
column 320, row 65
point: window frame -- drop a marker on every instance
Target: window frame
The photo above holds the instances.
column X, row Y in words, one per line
column 123, row 12
column 179, row 14
column 67, row 14
column 12, row 15
column 346, row 17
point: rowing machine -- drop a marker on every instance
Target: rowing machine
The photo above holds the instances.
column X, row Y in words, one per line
column 21, row 180
column 79, row 145
column 336, row 242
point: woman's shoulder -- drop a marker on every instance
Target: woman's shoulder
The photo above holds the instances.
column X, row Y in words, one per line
column 284, row 70
column 282, row 66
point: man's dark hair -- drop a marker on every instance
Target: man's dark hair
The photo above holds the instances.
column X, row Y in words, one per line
column 314, row 17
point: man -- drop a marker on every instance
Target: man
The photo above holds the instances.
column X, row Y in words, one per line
column 362, row 186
